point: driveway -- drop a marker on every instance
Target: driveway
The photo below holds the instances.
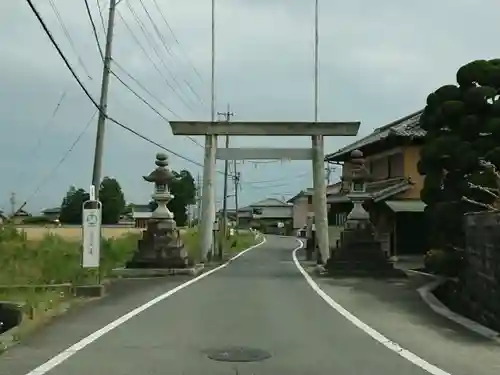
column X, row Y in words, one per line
column 258, row 305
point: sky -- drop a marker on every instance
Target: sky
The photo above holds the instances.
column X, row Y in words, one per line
column 378, row 62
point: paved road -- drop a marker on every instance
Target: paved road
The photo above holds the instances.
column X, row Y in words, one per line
column 260, row 300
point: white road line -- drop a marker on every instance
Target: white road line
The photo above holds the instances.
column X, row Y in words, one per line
column 73, row 349
column 391, row 345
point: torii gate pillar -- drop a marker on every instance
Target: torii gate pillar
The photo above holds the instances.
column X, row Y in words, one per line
column 240, row 128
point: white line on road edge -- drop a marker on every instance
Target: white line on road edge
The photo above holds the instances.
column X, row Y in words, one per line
column 73, row 349
column 389, row 344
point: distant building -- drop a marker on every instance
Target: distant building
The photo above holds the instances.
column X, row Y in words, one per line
column 52, row 214
column 266, row 215
column 141, row 213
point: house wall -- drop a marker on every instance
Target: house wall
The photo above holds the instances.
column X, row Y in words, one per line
column 299, row 212
column 276, row 212
column 412, row 156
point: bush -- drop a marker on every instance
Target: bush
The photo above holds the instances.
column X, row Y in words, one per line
column 54, row 260
column 38, row 220
column 447, row 262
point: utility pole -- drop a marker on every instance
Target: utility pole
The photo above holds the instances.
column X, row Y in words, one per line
column 227, row 116
column 103, row 104
column 13, row 203
column 198, row 199
column 236, row 180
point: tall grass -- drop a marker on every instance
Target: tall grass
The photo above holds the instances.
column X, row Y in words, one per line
column 54, row 260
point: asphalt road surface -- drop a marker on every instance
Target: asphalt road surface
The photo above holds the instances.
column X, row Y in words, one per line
column 259, row 301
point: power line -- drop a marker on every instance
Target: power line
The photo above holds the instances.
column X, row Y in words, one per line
column 150, row 106
column 139, row 44
column 61, row 161
column 89, row 14
column 160, row 12
column 150, row 41
column 68, row 36
column 167, row 48
column 87, row 93
column 101, row 16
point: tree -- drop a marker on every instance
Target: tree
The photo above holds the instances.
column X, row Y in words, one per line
column 461, row 155
column 112, row 200
column 184, row 191
column 72, row 206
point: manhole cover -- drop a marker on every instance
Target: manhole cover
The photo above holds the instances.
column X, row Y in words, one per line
column 238, row 354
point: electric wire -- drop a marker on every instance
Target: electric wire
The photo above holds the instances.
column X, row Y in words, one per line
column 150, row 94
column 94, row 30
column 139, row 44
column 167, row 48
column 68, row 37
column 93, row 101
column 150, row 41
column 61, row 161
column 160, row 12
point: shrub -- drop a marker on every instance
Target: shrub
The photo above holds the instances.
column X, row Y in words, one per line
column 54, row 260
column 447, row 262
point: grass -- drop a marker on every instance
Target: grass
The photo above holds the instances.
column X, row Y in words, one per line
column 39, row 273
column 237, row 243
column 37, row 233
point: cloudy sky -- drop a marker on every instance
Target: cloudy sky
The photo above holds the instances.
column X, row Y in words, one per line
column 378, row 62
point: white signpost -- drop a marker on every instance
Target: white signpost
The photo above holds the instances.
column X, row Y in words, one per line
column 91, row 225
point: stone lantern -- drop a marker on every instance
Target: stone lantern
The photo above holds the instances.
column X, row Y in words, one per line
column 161, row 245
column 360, row 254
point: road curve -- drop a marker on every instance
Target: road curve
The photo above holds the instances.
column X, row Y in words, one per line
column 259, row 301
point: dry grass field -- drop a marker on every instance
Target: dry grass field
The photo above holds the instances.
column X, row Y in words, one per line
column 74, row 233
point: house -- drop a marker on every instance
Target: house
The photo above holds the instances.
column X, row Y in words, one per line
column 3, row 218
column 266, row 214
column 52, row 214
column 391, row 154
column 141, row 213
column 302, row 204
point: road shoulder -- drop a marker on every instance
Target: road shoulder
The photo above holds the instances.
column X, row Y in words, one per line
column 62, row 332
column 395, row 309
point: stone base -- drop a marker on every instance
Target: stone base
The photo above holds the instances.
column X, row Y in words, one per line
column 169, row 263
column 156, row 272
column 360, row 255
column 341, row 269
column 89, row 291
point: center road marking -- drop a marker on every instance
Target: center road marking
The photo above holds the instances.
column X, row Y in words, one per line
column 389, row 344
column 44, row 368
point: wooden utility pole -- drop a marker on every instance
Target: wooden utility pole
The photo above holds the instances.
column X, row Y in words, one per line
column 236, row 180
column 227, row 116
column 103, row 103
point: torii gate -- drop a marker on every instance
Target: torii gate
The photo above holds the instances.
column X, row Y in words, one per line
column 316, row 130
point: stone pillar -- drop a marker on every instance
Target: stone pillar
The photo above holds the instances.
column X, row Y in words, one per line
column 319, row 200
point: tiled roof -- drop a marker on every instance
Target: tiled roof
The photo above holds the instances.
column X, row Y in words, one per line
column 378, row 190
column 406, row 127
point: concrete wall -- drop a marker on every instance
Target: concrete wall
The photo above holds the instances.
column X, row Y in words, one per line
column 276, row 212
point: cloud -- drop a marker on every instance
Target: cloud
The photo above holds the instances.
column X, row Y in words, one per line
column 378, row 62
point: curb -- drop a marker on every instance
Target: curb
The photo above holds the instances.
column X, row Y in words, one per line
column 427, row 295
column 14, row 335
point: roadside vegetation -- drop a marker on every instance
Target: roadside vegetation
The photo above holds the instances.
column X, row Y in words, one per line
column 39, row 274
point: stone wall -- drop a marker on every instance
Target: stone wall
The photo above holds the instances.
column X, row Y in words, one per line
column 480, row 289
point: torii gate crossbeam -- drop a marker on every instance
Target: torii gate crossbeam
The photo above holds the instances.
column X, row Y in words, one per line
column 253, row 128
